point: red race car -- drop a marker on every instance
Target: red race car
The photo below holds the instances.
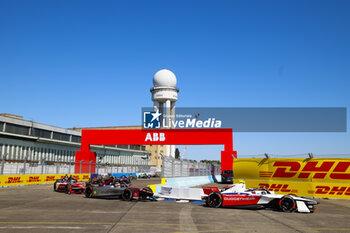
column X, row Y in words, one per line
column 69, row 186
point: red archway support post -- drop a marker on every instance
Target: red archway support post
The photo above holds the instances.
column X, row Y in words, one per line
column 154, row 137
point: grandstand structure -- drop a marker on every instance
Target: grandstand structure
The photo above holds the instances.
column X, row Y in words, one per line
column 36, row 143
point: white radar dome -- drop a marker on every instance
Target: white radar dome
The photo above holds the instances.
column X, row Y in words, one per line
column 164, row 78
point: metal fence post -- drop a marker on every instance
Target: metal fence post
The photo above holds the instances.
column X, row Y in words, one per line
column 25, row 163
column 42, row 165
column 90, row 166
column 3, row 163
column 162, row 171
column 181, row 172
column 172, row 167
column 57, row 168
column 69, row 167
column 81, row 162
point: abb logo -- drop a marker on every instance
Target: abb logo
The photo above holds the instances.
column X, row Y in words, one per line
column 335, row 190
column 155, row 137
column 50, row 178
column 287, row 169
column 284, row 188
column 33, row 179
column 14, row 180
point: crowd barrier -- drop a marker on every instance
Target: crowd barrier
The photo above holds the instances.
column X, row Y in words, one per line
column 316, row 177
column 11, row 180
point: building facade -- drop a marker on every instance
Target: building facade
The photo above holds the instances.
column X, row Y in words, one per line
column 22, row 140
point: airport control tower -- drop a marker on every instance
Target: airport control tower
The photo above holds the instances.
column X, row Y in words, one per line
column 164, row 92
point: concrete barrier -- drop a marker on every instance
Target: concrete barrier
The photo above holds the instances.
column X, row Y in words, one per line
column 191, row 181
column 194, row 194
column 180, row 187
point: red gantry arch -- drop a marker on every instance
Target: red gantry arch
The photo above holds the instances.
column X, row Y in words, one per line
column 153, row 137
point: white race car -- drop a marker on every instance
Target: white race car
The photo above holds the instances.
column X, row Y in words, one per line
column 237, row 195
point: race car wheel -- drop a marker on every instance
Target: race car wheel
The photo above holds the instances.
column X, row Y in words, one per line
column 127, row 194
column 206, row 202
column 67, row 189
column 55, row 186
column 148, row 192
column 215, row 200
column 287, row 204
column 88, row 192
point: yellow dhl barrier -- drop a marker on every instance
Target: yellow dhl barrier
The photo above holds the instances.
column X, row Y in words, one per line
column 9, row 180
column 326, row 178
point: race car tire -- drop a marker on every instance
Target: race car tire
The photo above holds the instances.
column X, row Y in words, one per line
column 215, row 199
column 145, row 195
column 55, row 186
column 89, row 192
column 67, row 189
column 128, row 194
column 206, row 202
column 287, row 204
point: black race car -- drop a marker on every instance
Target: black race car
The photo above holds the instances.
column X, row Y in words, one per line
column 104, row 188
column 112, row 188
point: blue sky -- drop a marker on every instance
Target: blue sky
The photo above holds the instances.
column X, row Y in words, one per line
column 91, row 63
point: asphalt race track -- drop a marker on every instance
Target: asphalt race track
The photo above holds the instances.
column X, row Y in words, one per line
column 38, row 208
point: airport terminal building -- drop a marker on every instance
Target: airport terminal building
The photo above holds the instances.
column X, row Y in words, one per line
column 37, row 143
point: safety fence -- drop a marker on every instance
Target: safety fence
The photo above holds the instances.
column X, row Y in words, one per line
column 22, row 168
column 181, row 168
column 11, row 180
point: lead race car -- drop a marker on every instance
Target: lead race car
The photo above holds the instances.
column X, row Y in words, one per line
column 237, row 195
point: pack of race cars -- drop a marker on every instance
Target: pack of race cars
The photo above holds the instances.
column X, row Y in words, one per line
column 104, row 186
column 235, row 195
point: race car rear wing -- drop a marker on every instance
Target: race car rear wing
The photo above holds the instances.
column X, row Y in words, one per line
column 208, row 190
